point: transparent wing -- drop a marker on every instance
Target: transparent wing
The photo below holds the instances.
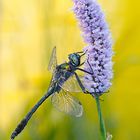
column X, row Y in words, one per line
column 72, row 85
column 65, row 102
column 53, row 61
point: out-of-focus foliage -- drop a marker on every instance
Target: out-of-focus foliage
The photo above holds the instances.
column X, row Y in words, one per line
column 28, row 32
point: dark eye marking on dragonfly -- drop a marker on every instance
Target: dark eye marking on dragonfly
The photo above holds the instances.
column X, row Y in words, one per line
column 64, row 80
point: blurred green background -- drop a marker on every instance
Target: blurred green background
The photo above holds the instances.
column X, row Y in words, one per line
column 28, row 32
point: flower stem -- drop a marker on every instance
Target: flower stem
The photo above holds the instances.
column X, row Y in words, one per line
column 101, row 120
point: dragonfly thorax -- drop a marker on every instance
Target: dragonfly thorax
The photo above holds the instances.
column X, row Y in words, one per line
column 64, row 66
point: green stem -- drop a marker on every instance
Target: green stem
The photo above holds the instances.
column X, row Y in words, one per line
column 101, row 120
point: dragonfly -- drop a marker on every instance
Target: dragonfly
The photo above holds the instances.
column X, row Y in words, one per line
column 65, row 80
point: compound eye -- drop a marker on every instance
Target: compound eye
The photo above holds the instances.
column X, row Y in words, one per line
column 75, row 60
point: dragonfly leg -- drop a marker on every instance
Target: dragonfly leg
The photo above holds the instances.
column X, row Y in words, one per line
column 84, row 52
column 89, row 64
column 80, row 83
column 80, row 52
column 82, row 64
column 91, row 73
column 84, row 71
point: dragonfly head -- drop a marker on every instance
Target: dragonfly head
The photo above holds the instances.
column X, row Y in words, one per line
column 75, row 59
